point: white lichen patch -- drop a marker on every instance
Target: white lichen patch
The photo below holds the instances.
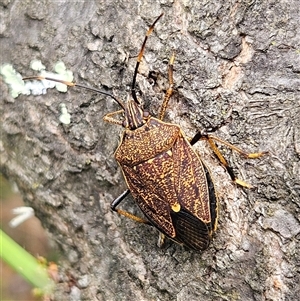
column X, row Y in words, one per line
column 37, row 65
column 35, row 87
column 14, row 80
column 65, row 117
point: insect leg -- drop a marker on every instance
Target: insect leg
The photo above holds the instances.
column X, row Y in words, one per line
column 238, row 150
column 139, row 59
column 109, row 117
column 170, row 89
column 118, row 200
column 211, row 139
column 161, row 240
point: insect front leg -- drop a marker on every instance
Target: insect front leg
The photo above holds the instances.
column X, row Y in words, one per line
column 109, row 117
column 139, row 59
column 118, row 200
column 211, row 140
column 169, row 91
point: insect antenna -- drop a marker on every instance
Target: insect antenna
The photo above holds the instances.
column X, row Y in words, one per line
column 72, row 84
column 140, row 56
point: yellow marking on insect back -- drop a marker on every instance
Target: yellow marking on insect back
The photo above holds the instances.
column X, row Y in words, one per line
column 150, row 160
column 169, row 152
column 176, row 207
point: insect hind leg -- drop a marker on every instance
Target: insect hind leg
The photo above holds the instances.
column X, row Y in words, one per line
column 118, row 200
column 211, row 140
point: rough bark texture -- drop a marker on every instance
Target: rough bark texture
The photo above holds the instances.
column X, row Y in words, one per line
column 237, row 63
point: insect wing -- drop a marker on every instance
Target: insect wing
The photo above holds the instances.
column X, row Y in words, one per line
column 191, row 180
column 152, row 194
column 195, row 190
column 191, row 231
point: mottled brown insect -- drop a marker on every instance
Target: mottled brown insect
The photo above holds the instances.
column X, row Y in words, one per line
column 164, row 174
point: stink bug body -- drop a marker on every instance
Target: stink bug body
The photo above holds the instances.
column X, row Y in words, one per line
column 169, row 182
column 164, row 174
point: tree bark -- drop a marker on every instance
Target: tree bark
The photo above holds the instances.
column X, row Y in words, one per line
column 237, row 68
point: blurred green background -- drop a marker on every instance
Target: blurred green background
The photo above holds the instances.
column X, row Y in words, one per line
column 30, row 235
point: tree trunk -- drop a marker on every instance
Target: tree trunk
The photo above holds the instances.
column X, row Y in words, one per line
column 236, row 68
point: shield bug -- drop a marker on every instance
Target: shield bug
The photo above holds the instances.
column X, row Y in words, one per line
column 165, row 175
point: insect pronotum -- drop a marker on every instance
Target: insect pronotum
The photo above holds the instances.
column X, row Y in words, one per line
column 165, row 175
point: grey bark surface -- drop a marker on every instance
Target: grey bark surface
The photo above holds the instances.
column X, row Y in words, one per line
column 237, row 65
